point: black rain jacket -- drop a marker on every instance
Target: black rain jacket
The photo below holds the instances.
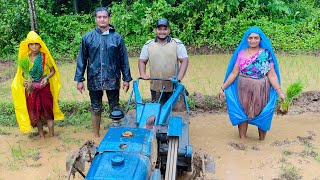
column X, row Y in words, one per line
column 104, row 57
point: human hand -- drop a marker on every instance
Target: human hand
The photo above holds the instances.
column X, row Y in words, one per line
column 25, row 83
column 220, row 94
column 44, row 82
column 282, row 96
column 145, row 76
column 125, row 86
column 80, row 87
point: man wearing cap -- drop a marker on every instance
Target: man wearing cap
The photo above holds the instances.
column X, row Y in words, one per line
column 104, row 55
column 164, row 54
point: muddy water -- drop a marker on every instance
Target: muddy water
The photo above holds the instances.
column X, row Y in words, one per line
column 292, row 142
column 254, row 159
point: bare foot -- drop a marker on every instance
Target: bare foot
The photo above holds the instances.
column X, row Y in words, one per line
column 262, row 134
column 42, row 137
column 97, row 135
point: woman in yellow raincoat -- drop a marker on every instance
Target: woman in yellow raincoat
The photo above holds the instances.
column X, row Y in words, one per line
column 36, row 103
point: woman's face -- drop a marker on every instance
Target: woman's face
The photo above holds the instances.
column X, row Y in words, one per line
column 254, row 40
column 34, row 47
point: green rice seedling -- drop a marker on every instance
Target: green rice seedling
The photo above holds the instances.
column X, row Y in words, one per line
column 293, row 90
column 24, row 65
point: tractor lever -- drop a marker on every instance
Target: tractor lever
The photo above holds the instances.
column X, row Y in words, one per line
column 174, row 80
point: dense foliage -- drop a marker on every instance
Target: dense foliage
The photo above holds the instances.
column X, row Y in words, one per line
column 292, row 25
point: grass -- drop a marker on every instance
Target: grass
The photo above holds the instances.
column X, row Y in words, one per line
column 205, row 74
column 19, row 156
column 33, row 153
column 67, row 139
column 287, row 152
column 58, row 172
column 318, row 157
column 290, row 172
column 5, row 131
column 13, row 165
column 16, row 152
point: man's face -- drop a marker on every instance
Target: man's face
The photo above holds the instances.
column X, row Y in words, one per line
column 162, row 32
column 102, row 19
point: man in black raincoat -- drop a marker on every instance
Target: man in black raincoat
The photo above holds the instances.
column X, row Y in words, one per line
column 104, row 55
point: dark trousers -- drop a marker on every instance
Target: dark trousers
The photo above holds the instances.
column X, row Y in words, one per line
column 96, row 100
column 155, row 95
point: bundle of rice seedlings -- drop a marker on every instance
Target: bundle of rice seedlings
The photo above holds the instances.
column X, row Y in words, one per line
column 293, row 90
column 24, row 64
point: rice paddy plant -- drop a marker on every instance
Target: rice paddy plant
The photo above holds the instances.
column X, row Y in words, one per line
column 293, row 90
column 24, row 65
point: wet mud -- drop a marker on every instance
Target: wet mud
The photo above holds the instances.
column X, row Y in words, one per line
column 291, row 149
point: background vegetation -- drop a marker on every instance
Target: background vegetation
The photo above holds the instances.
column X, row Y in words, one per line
column 204, row 26
column 211, row 26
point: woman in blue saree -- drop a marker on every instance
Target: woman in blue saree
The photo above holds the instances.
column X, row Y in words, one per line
column 252, row 83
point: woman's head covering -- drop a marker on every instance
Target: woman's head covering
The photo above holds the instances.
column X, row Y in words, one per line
column 235, row 111
column 32, row 37
column 18, row 90
column 264, row 43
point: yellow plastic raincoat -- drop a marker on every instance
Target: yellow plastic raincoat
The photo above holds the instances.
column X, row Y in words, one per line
column 18, row 90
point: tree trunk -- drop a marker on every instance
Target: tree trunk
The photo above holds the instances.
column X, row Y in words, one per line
column 33, row 16
column 75, row 6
